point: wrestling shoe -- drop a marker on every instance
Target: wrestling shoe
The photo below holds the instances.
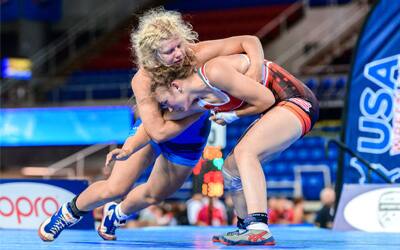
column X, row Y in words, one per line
column 249, row 237
column 240, row 226
column 52, row 226
column 218, row 238
column 110, row 222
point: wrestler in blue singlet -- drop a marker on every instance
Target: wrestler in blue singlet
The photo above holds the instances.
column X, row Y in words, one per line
column 186, row 148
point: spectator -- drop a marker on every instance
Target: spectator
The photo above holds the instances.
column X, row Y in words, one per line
column 230, row 211
column 150, row 216
column 166, row 218
column 281, row 211
column 324, row 217
column 180, row 213
column 298, row 210
column 213, row 208
column 193, row 207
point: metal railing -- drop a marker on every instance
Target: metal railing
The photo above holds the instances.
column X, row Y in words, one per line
column 78, row 158
column 298, row 179
column 344, row 147
column 281, row 21
column 323, row 34
column 343, row 29
column 123, row 90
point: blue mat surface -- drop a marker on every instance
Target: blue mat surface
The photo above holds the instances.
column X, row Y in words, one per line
column 287, row 237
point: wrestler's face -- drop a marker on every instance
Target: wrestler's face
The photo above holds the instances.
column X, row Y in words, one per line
column 173, row 98
column 171, row 51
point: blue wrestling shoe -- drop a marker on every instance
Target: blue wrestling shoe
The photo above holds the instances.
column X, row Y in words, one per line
column 52, row 226
column 109, row 222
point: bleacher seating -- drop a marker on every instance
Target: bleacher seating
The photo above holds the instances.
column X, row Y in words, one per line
column 117, row 55
column 83, row 85
column 244, row 21
column 327, row 2
column 327, row 87
column 246, row 18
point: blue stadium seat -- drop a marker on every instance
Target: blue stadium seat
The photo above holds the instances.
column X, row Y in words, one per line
column 340, row 82
column 312, row 83
column 325, row 87
column 312, row 141
column 312, row 185
column 340, row 87
column 333, row 153
column 317, row 154
column 303, row 153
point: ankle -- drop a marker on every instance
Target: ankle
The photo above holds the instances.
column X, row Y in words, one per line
column 240, row 223
column 77, row 213
column 258, row 226
column 120, row 214
column 257, row 221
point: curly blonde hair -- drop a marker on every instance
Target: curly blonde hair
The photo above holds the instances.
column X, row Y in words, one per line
column 155, row 26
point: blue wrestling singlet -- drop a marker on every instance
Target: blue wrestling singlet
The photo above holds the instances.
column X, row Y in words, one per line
column 187, row 148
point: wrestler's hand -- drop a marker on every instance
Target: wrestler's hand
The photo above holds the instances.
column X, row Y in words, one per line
column 217, row 121
column 224, row 118
column 117, row 154
column 254, row 73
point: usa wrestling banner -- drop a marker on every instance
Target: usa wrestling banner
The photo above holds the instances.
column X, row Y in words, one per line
column 372, row 116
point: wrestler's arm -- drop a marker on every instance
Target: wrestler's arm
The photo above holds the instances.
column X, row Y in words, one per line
column 158, row 129
column 178, row 115
column 250, row 45
column 226, row 77
column 132, row 144
column 140, row 139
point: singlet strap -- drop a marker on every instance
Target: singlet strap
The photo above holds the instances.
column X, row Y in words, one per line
column 202, row 103
column 202, row 73
column 265, row 75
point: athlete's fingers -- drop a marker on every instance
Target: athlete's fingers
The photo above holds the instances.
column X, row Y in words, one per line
column 122, row 155
column 111, row 156
column 108, row 160
column 213, row 118
column 220, row 122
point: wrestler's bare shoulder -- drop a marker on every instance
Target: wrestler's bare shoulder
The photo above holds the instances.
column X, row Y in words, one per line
column 201, row 52
column 141, row 78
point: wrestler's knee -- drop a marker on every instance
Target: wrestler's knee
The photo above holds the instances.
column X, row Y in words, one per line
column 242, row 153
column 113, row 191
column 232, row 182
column 153, row 196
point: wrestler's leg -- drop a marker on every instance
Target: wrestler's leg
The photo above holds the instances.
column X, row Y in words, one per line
column 118, row 184
column 273, row 133
column 123, row 175
column 165, row 179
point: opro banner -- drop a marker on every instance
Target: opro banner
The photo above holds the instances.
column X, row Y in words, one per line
column 25, row 204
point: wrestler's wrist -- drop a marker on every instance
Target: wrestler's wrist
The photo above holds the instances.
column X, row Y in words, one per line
column 228, row 117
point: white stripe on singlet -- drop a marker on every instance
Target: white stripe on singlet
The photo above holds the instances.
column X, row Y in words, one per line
column 204, row 78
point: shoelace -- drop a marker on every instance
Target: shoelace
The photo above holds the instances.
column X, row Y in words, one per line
column 236, row 232
column 59, row 225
